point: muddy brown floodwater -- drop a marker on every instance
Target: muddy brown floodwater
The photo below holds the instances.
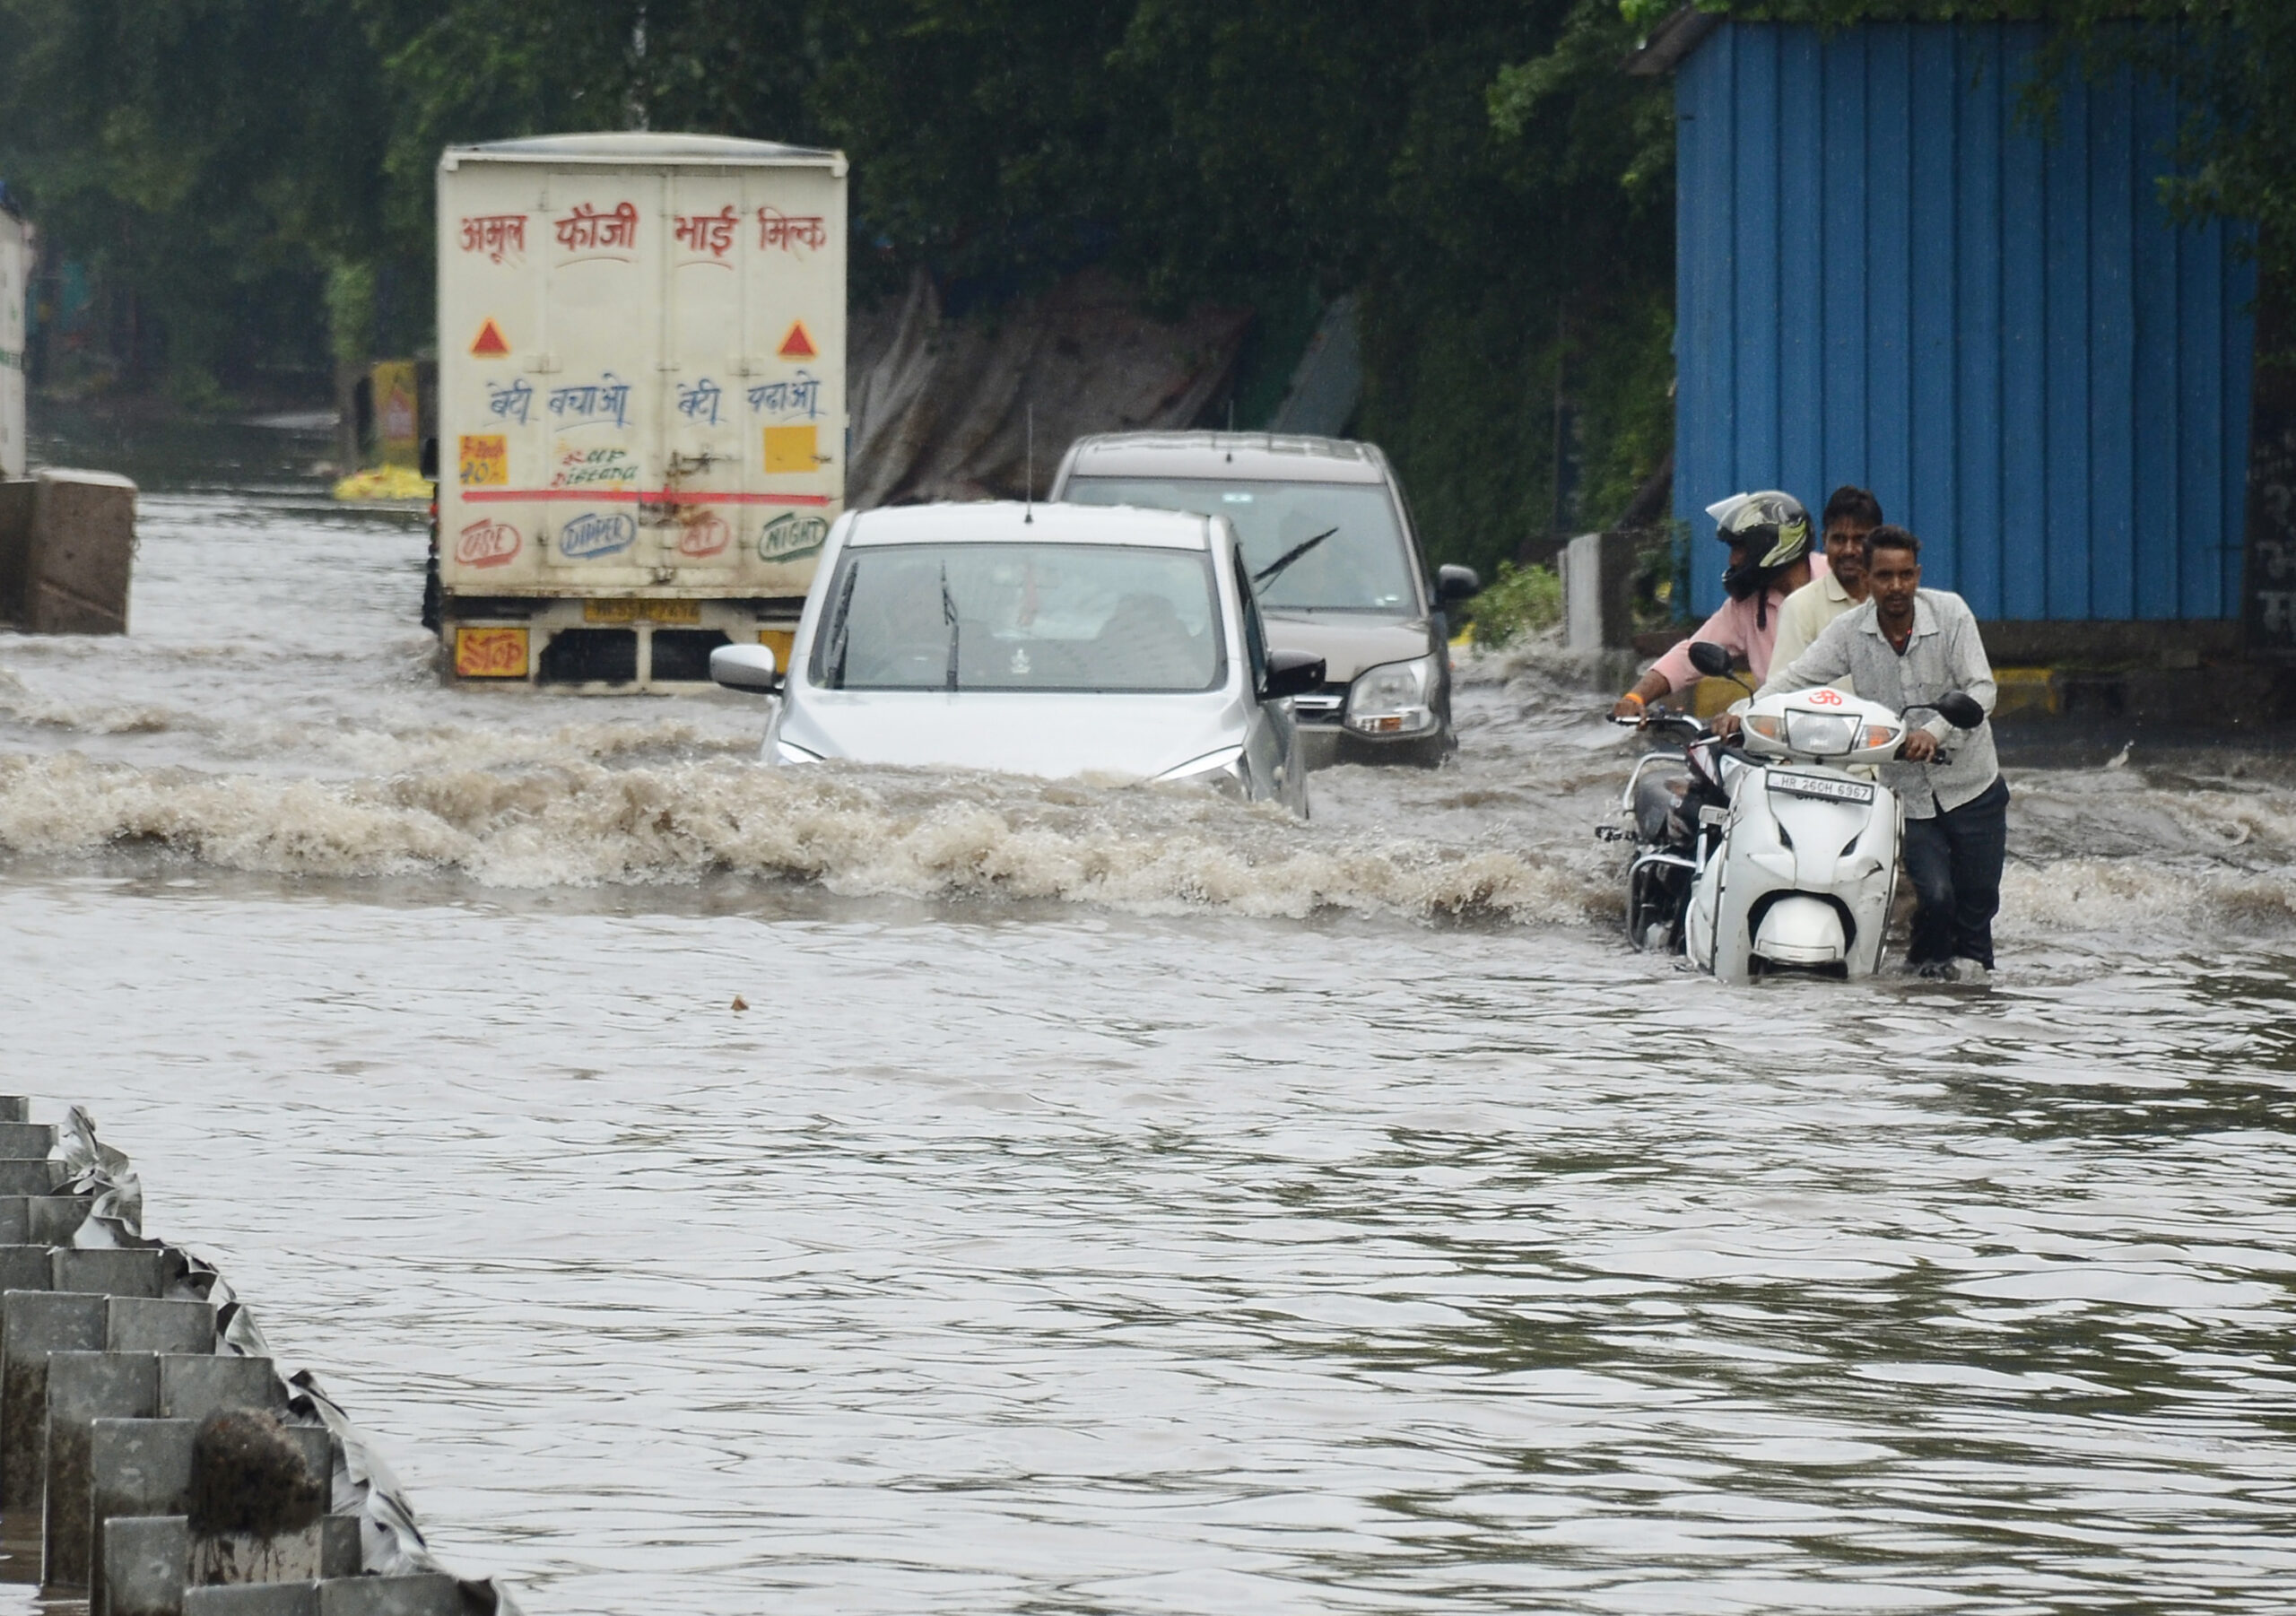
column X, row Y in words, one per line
column 1116, row 1200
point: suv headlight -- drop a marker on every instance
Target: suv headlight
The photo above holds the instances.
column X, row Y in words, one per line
column 1394, row 699
column 1222, row 770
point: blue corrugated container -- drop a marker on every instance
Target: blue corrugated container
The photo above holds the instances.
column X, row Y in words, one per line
column 1889, row 275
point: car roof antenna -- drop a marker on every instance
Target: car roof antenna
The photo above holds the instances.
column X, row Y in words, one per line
column 1029, row 503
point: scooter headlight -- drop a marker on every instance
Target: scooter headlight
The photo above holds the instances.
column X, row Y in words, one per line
column 1821, row 734
column 1394, row 699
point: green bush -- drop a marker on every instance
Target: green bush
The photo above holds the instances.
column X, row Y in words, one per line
column 1524, row 600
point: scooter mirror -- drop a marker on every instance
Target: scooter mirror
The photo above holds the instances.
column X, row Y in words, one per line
column 1960, row 710
column 1709, row 659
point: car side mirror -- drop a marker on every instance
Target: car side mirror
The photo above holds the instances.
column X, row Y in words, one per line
column 1455, row 584
column 1960, row 710
column 1290, row 674
column 1710, row 659
column 428, row 470
column 745, row 668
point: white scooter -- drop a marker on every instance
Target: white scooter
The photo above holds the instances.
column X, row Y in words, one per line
column 1776, row 852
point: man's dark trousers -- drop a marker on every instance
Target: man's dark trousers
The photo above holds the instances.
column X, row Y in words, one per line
column 1953, row 859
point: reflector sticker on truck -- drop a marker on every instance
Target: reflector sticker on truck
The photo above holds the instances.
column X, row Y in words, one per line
column 489, row 342
column 789, row 450
column 798, row 344
column 491, row 653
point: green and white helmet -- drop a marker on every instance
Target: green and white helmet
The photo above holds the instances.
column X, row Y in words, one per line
column 1775, row 529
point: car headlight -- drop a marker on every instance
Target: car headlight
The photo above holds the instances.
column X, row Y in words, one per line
column 1222, row 770
column 1394, row 699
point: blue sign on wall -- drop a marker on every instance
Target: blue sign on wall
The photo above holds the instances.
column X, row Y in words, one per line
column 1889, row 274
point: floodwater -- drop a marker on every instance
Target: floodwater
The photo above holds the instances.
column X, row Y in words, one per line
column 1116, row 1200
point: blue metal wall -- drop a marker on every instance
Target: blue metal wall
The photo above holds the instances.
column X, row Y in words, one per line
column 1888, row 276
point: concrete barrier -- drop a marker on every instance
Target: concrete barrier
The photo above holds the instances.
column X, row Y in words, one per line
column 83, row 1387
column 53, row 1220
column 26, row 1140
column 430, row 1593
column 254, row 1599
column 139, row 1323
column 192, row 1387
column 15, row 1107
column 134, row 1272
column 81, row 555
column 34, row 1324
column 24, row 1268
column 144, row 1565
column 28, row 1175
column 137, row 1470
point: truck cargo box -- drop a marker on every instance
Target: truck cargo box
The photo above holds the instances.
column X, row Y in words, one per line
column 641, row 401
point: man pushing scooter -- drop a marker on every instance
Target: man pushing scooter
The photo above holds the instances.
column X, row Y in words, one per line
column 1906, row 646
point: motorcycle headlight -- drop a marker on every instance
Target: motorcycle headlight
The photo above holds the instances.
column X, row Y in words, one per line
column 1394, row 699
column 1222, row 770
column 1821, row 734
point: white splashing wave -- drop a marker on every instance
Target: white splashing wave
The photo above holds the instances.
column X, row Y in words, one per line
column 914, row 833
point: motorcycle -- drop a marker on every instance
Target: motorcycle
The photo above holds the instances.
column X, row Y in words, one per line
column 1776, row 849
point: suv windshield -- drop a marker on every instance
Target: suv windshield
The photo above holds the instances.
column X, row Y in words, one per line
column 1021, row 617
column 1364, row 566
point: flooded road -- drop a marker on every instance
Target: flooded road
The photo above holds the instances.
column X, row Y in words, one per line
column 1116, row 1200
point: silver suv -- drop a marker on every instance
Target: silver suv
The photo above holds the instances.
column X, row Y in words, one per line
column 1334, row 562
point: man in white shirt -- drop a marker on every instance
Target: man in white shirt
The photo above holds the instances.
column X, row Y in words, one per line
column 1851, row 513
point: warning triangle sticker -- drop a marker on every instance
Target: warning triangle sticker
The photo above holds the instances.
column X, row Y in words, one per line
column 489, row 342
column 797, row 344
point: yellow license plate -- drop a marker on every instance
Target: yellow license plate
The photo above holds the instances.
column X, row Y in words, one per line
column 688, row 611
column 491, row 653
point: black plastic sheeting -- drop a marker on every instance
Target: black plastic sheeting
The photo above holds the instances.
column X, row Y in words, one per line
column 391, row 1543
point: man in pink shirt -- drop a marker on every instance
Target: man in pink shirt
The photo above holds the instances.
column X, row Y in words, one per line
column 1771, row 557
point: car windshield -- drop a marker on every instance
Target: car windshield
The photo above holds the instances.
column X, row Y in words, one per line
column 1021, row 617
column 1364, row 566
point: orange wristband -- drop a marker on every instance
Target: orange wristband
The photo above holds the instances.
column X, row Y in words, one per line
column 1634, row 697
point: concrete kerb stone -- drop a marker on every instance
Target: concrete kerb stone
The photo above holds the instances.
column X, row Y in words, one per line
column 53, row 1220
column 82, row 1388
column 24, row 1268
column 34, row 1324
column 340, row 1553
column 136, row 1469
column 140, row 1323
column 28, row 1140
column 135, row 1271
column 253, row 1599
column 192, row 1386
column 15, row 1107
column 146, row 1560
column 426, row 1594
column 15, row 1220
column 28, row 1175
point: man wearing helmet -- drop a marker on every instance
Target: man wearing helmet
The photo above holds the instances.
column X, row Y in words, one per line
column 1769, row 537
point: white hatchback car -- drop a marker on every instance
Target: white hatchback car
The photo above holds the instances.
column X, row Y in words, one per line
column 1046, row 639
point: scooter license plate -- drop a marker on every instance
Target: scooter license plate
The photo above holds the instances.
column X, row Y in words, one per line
column 1820, row 786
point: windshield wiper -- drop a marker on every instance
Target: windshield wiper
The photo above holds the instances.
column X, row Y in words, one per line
column 840, row 627
column 948, row 615
column 1291, row 555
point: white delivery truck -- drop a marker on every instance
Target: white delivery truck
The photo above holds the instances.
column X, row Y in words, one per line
column 15, row 293
column 641, row 403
